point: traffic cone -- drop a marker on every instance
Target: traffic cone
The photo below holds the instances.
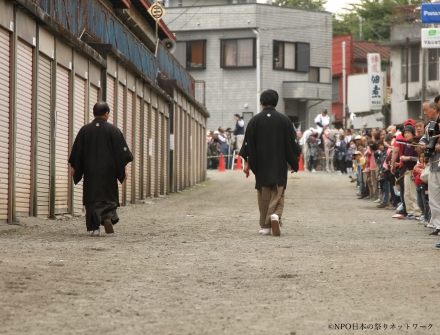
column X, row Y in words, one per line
column 301, row 163
column 238, row 166
column 222, row 167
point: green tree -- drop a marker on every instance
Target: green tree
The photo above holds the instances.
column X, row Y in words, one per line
column 304, row 4
column 377, row 16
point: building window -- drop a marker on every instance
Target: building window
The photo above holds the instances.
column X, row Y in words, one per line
column 238, row 53
column 293, row 56
column 325, row 75
column 403, row 71
column 319, row 75
column 191, row 54
column 413, row 61
column 314, row 74
column 433, row 56
column 336, row 90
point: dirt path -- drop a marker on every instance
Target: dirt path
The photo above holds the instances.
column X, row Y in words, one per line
column 193, row 263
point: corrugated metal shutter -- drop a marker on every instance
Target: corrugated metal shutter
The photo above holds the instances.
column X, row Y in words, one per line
column 153, row 152
column 192, row 142
column 120, row 125
column 186, row 152
column 160, row 150
column 196, row 151
column 176, row 148
column 24, row 129
column 43, row 135
column 4, row 120
column 137, row 158
column 111, row 97
column 129, row 139
column 166, row 156
column 146, row 181
column 181, row 148
column 62, row 140
column 78, row 121
column 93, row 99
column 202, row 142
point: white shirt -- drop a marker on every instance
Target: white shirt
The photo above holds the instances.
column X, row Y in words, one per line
column 325, row 120
column 240, row 123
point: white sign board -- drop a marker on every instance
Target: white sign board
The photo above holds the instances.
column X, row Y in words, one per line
column 375, row 93
column 430, row 38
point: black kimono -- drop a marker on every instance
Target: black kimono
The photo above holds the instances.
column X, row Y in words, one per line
column 269, row 145
column 100, row 154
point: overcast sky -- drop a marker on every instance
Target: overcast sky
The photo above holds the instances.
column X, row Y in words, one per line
column 334, row 6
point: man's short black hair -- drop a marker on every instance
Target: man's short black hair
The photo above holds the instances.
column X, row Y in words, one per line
column 269, row 98
column 101, row 108
column 437, row 99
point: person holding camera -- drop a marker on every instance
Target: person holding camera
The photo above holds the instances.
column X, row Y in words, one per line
column 238, row 132
column 432, row 114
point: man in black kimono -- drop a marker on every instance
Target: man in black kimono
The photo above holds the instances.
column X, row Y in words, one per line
column 100, row 154
column 269, row 145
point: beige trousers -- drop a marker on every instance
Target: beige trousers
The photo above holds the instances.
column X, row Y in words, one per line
column 270, row 201
column 410, row 194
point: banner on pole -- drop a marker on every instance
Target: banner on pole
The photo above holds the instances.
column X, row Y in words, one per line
column 376, row 83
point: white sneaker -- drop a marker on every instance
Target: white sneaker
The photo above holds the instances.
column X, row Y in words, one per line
column 430, row 226
column 96, row 233
column 313, row 171
column 377, row 201
column 265, row 231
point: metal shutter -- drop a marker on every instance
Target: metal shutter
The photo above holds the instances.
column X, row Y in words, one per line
column 111, row 97
column 153, row 153
column 146, row 182
column 79, row 115
column 166, row 137
column 176, row 147
column 4, row 120
column 129, row 139
column 181, row 148
column 62, row 140
column 192, row 145
column 159, row 154
column 43, row 135
column 93, row 99
column 196, row 151
column 120, row 125
column 138, row 150
column 187, row 154
column 24, row 129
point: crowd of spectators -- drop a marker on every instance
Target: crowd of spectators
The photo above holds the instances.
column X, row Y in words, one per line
column 224, row 142
column 389, row 166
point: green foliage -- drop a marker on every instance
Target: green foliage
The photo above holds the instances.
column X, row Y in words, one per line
column 304, row 4
column 376, row 19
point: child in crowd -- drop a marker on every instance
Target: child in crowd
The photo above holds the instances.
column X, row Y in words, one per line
column 384, row 176
column 348, row 157
column 312, row 142
column 341, row 152
column 422, row 189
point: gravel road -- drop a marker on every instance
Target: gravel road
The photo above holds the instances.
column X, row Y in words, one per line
column 194, row 263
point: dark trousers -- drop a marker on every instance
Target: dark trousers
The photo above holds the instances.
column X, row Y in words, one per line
column 312, row 163
column 402, row 192
column 423, row 201
column 341, row 165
